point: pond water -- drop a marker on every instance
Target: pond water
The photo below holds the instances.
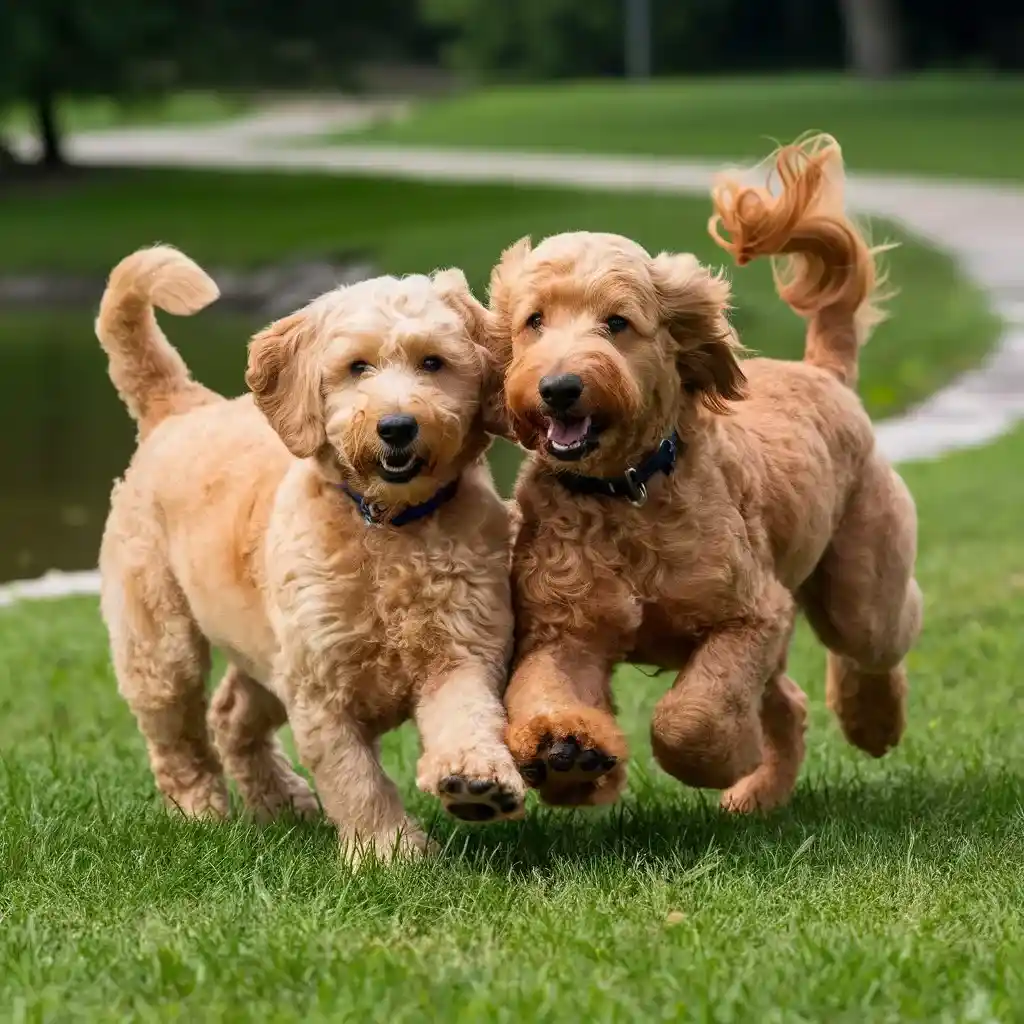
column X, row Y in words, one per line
column 65, row 436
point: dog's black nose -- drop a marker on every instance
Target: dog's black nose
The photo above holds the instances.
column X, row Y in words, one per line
column 398, row 430
column 561, row 391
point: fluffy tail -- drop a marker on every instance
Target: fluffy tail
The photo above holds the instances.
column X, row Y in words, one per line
column 824, row 268
column 150, row 376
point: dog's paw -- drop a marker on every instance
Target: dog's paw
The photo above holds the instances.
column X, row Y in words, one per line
column 705, row 743
column 566, row 756
column 568, row 760
column 206, row 799
column 473, row 787
column 296, row 800
column 406, row 843
column 763, row 791
column 480, row 800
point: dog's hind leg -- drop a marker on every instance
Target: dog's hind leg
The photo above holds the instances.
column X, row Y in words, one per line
column 708, row 730
column 783, row 723
column 161, row 661
column 244, row 718
column 864, row 604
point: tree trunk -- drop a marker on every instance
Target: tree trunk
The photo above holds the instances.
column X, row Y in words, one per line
column 874, row 42
column 49, row 130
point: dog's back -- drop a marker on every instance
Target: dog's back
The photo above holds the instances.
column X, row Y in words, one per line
column 187, row 520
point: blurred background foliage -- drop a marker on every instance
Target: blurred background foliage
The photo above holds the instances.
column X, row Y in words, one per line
column 52, row 49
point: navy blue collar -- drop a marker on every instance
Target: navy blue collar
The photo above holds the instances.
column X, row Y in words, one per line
column 632, row 485
column 377, row 515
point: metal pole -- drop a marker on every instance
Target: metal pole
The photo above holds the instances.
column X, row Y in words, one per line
column 638, row 38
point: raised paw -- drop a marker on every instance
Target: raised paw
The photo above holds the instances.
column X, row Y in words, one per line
column 871, row 706
column 578, row 759
column 479, row 800
column 474, row 787
column 571, row 761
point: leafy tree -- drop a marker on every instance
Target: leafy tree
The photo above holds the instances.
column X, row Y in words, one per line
column 49, row 48
column 530, row 38
column 560, row 38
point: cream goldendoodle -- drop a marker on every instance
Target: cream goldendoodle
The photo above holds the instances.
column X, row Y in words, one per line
column 337, row 534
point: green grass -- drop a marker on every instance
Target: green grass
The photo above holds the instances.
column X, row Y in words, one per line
column 936, row 125
column 941, row 324
column 99, row 112
column 888, row 891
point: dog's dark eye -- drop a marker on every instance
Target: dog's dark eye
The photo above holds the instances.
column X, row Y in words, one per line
column 617, row 324
column 534, row 321
column 432, row 364
column 359, row 367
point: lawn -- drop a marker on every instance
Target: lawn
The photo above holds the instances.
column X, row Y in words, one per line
column 888, row 891
column 941, row 323
column 933, row 125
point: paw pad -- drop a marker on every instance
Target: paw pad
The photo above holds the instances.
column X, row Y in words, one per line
column 566, row 758
column 479, row 800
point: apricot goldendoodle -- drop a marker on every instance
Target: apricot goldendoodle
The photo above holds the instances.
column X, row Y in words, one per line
column 667, row 522
column 337, row 534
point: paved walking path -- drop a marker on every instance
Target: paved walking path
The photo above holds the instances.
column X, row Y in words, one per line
column 981, row 225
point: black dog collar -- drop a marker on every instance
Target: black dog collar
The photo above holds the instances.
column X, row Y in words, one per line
column 632, row 485
column 375, row 514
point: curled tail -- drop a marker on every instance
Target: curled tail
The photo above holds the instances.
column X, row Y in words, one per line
column 824, row 268
column 149, row 374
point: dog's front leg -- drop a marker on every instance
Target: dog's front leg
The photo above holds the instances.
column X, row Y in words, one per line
column 562, row 730
column 344, row 759
column 708, row 730
column 465, row 761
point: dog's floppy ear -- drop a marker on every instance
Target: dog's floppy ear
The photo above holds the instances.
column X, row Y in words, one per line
column 453, row 288
column 480, row 325
column 693, row 303
column 503, row 278
column 284, row 378
column 493, row 410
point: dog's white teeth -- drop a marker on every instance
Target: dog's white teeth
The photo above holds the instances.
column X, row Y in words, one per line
column 566, row 436
column 398, row 467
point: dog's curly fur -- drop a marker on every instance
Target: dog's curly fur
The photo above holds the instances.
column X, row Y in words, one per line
column 220, row 534
column 779, row 502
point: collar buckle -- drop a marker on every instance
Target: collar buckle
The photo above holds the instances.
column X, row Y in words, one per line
column 636, row 491
column 372, row 513
column 669, row 449
column 632, row 485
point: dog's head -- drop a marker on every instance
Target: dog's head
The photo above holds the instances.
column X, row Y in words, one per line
column 607, row 347
column 389, row 383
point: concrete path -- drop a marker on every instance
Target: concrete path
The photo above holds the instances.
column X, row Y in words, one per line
column 981, row 225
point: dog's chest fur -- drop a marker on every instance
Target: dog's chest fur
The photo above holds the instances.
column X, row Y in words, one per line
column 381, row 612
column 642, row 583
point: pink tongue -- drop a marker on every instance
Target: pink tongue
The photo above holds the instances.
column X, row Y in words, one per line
column 567, row 434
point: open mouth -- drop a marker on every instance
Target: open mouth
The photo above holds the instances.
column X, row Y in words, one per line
column 570, row 438
column 399, row 466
